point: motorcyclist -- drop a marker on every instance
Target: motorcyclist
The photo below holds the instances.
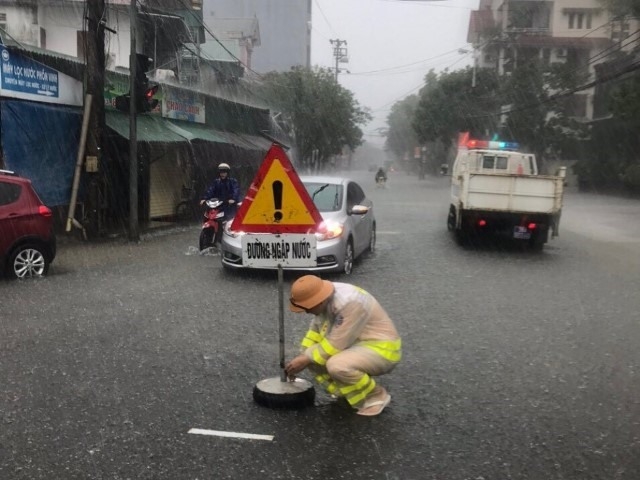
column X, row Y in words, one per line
column 381, row 175
column 225, row 188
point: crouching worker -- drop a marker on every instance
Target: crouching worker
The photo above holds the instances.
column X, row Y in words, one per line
column 350, row 341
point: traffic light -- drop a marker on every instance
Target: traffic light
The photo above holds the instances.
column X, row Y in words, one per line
column 144, row 92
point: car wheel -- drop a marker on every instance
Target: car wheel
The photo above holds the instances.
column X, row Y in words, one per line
column 206, row 238
column 347, row 266
column 372, row 239
column 28, row 261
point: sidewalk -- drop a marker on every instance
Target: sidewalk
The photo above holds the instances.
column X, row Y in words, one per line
column 75, row 236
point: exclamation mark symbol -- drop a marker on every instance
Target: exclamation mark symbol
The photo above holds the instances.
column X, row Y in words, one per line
column 277, row 200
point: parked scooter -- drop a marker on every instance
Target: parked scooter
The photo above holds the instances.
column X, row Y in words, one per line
column 212, row 227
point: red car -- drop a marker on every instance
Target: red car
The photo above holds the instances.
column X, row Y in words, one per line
column 27, row 239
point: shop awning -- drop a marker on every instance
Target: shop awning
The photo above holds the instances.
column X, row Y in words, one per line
column 149, row 128
column 155, row 129
column 195, row 131
column 248, row 142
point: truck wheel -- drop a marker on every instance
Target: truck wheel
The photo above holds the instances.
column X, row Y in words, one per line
column 536, row 242
column 461, row 237
column 451, row 219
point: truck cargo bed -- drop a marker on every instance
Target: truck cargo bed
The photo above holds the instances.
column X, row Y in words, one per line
column 511, row 193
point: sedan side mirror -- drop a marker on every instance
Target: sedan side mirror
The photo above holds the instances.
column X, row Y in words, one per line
column 358, row 210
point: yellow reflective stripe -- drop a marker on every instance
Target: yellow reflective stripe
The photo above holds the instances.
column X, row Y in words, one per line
column 360, row 384
column 313, row 336
column 355, row 399
column 318, row 358
column 332, row 387
column 323, row 378
column 391, row 350
column 327, row 347
column 306, row 343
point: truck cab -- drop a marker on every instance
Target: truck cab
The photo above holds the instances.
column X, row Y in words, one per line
column 499, row 159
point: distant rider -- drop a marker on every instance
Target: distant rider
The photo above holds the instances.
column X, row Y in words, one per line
column 224, row 188
column 381, row 175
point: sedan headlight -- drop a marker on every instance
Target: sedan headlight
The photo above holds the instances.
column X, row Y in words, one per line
column 329, row 230
column 232, row 233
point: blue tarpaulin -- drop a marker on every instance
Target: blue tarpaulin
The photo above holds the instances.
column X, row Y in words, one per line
column 40, row 142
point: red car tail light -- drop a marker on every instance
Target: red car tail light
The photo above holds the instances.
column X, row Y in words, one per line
column 44, row 211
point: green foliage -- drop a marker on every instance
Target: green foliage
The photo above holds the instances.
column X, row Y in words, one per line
column 401, row 137
column 323, row 115
column 625, row 101
column 449, row 103
column 622, row 7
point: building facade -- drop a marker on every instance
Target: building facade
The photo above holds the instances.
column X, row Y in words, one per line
column 180, row 141
column 580, row 33
column 285, row 30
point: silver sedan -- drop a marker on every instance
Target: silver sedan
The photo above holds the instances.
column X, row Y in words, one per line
column 348, row 229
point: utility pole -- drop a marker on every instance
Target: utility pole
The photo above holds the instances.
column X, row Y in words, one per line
column 134, row 232
column 339, row 53
column 94, row 76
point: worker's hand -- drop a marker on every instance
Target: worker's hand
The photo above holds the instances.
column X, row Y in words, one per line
column 202, row 202
column 296, row 365
column 232, row 201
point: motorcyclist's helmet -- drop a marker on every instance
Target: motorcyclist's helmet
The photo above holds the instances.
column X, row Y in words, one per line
column 224, row 167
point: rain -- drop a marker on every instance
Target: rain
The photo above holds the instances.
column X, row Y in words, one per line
column 146, row 331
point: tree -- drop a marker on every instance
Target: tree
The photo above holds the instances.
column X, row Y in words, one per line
column 623, row 7
column 401, row 137
column 449, row 104
column 323, row 116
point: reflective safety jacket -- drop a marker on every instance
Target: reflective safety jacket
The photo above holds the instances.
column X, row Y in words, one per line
column 352, row 317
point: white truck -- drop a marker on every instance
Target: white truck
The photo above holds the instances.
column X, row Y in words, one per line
column 497, row 189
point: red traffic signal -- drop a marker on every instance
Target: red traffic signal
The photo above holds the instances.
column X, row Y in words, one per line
column 144, row 102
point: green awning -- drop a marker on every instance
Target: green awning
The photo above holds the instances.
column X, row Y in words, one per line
column 195, row 131
column 155, row 129
column 149, row 128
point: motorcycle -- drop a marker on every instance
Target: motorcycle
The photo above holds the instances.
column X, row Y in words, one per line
column 212, row 227
column 380, row 182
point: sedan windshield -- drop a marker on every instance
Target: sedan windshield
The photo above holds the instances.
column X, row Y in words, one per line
column 326, row 196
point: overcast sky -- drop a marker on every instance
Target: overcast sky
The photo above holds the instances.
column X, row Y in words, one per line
column 392, row 45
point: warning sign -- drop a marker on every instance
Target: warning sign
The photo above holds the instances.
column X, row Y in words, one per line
column 289, row 250
column 277, row 201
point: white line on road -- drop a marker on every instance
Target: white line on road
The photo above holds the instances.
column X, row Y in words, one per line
column 218, row 433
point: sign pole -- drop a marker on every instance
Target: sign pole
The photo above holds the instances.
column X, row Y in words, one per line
column 283, row 376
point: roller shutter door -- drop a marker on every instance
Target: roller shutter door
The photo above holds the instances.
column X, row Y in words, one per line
column 166, row 181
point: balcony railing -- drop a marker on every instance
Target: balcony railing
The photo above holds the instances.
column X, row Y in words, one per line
column 528, row 30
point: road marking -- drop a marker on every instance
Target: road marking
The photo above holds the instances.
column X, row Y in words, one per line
column 388, row 232
column 218, row 433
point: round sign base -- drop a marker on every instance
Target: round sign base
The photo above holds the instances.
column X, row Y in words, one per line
column 274, row 393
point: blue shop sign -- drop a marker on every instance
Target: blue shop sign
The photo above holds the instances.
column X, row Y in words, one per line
column 23, row 75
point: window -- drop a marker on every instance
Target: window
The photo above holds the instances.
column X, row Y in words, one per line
column 546, row 56
column 3, row 23
column 9, row 193
column 501, row 163
column 326, row 197
column 579, row 20
column 355, row 195
column 488, row 162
